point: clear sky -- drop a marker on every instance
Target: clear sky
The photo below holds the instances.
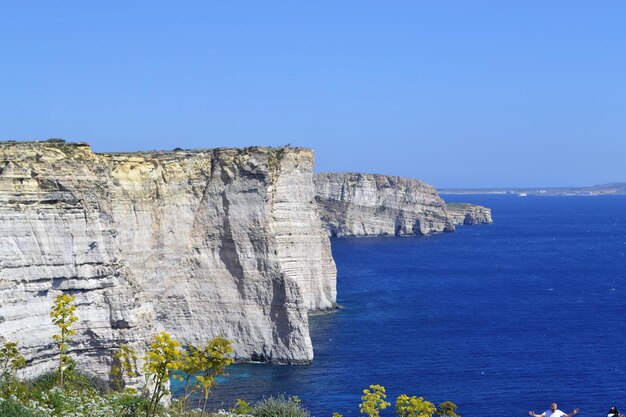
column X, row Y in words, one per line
column 457, row 93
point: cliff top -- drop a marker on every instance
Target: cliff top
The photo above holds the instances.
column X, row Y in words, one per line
column 61, row 144
column 463, row 206
column 379, row 178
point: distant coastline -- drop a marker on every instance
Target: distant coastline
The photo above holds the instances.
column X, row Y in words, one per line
column 603, row 189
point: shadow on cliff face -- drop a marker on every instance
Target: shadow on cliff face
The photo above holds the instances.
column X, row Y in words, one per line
column 228, row 249
column 278, row 311
column 417, row 227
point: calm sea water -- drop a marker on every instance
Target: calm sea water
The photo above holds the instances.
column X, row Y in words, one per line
column 500, row 319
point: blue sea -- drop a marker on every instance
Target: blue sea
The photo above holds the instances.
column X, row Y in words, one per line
column 500, row 319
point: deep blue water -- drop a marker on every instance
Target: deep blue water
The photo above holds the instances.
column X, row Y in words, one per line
column 500, row 319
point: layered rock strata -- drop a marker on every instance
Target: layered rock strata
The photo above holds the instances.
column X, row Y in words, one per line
column 379, row 205
column 354, row 204
column 199, row 243
column 468, row 214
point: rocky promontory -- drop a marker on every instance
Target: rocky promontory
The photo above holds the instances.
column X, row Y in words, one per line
column 468, row 214
column 199, row 243
column 354, row 204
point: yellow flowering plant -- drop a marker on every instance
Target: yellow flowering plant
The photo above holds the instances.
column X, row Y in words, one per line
column 414, row 407
column 63, row 315
column 373, row 401
column 161, row 360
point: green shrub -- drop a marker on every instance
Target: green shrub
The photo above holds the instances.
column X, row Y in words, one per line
column 177, row 412
column 279, row 406
column 131, row 405
column 74, row 381
column 78, row 381
column 45, row 382
column 18, row 388
column 56, row 400
column 10, row 407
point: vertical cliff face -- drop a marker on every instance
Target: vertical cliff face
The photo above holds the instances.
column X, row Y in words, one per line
column 375, row 205
column 303, row 247
column 200, row 243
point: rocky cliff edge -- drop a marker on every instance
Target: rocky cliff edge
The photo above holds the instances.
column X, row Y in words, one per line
column 199, row 243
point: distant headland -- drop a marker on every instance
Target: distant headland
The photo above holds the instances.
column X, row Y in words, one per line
column 616, row 188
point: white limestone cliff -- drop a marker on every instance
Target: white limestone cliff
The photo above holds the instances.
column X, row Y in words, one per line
column 379, row 205
column 199, row 243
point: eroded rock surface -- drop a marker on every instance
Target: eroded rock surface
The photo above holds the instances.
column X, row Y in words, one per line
column 199, row 243
column 379, row 205
column 468, row 214
column 353, row 204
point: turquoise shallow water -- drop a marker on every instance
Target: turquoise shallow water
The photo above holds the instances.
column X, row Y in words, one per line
column 507, row 317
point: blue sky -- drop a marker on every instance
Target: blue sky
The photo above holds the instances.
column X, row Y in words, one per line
column 457, row 93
